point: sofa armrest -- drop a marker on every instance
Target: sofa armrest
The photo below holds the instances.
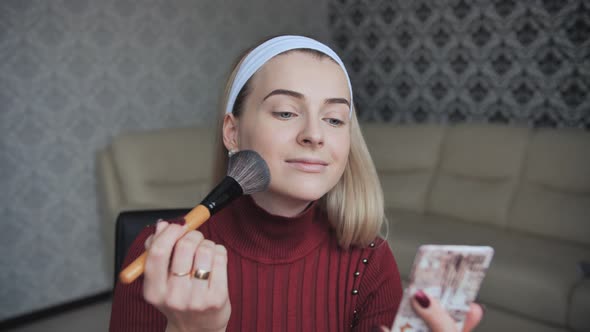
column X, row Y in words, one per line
column 578, row 319
column 109, row 202
column 108, row 186
column 584, row 268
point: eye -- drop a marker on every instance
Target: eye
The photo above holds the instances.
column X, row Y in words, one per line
column 283, row 115
column 335, row 122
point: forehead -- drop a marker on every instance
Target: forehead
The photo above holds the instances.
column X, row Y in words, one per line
column 303, row 72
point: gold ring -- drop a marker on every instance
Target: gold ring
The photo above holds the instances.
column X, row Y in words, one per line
column 181, row 274
column 201, row 274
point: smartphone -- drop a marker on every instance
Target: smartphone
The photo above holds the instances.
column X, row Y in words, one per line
column 450, row 273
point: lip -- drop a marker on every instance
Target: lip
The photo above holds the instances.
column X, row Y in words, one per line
column 308, row 165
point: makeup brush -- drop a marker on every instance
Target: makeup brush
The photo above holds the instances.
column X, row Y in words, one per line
column 247, row 173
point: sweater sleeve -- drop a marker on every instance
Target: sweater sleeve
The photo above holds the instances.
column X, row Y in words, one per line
column 380, row 305
column 130, row 312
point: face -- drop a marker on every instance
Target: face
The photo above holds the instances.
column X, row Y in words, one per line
column 297, row 118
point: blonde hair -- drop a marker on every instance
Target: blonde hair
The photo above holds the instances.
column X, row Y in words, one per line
column 355, row 205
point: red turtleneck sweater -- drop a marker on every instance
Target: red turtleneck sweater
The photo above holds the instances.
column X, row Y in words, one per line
column 285, row 274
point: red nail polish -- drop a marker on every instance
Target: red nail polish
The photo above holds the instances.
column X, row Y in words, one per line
column 422, row 299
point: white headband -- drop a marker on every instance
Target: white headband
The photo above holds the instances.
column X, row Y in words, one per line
column 269, row 49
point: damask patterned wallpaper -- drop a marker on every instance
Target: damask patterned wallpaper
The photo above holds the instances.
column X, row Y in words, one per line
column 508, row 61
column 74, row 73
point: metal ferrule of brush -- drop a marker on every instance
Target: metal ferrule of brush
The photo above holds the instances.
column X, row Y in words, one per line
column 225, row 192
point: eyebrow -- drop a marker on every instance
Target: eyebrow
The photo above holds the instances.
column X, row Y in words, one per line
column 299, row 95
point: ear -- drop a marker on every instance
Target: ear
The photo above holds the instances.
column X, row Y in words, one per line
column 230, row 132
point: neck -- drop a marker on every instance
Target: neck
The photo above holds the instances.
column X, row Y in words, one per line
column 278, row 205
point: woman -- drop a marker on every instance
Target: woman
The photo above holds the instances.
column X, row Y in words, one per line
column 303, row 255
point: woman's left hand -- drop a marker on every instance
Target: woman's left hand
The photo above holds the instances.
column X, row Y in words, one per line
column 438, row 319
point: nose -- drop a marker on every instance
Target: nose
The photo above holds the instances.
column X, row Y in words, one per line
column 311, row 134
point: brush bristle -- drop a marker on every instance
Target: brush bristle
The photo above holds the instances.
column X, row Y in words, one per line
column 249, row 170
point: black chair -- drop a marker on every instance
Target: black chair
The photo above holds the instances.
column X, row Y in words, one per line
column 129, row 225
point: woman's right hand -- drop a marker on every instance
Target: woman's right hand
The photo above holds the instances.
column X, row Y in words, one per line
column 189, row 303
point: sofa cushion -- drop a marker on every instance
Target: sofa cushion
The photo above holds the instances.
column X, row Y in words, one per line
column 408, row 230
column 405, row 158
column 554, row 197
column 526, row 270
column 496, row 319
column 535, row 276
column 478, row 172
column 165, row 168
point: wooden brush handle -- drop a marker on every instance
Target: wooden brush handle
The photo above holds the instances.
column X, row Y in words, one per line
column 195, row 218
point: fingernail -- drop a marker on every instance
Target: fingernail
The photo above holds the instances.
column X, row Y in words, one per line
column 422, row 299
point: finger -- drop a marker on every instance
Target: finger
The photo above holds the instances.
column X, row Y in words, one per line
column 182, row 264
column 433, row 314
column 218, row 282
column 148, row 242
column 158, row 260
column 204, row 262
column 184, row 252
column 160, row 226
column 153, row 291
column 474, row 317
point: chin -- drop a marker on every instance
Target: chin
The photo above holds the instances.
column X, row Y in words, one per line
column 308, row 197
column 306, row 193
column 303, row 188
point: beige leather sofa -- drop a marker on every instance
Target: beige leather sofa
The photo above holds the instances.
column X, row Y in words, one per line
column 525, row 192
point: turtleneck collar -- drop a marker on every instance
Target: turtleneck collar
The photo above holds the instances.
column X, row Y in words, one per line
column 261, row 236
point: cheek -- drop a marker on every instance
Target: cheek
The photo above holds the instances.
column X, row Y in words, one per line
column 340, row 152
column 258, row 139
column 343, row 160
column 341, row 147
